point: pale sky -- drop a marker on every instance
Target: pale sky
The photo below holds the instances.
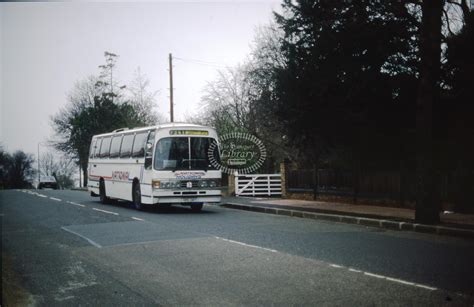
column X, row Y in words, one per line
column 46, row 47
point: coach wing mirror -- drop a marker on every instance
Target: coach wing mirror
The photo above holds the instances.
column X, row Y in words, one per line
column 148, row 155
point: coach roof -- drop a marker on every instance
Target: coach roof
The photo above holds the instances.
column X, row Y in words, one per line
column 162, row 126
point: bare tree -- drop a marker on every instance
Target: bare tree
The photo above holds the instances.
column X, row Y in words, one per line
column 226, row 102
column 48, row 165
column 143, row 100
column 69, row 139
column 240, row 98
column 61, row 167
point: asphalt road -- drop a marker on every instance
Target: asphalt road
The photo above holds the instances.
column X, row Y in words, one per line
column 65, row 248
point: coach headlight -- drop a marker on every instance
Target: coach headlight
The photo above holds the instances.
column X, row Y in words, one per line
column 212, row 183
column 155, row 184
column 203, row 184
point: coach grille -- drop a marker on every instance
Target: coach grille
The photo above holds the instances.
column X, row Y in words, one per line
column 183, row 183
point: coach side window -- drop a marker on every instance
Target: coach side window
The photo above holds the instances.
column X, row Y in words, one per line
column 127, row 144
column 97, row 148
column 92, row 149
column 115, row 147
column 105, row 147
column 139, row 145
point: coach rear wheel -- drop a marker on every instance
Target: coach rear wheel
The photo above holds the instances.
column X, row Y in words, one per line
column 137, row 197
column 103, row 197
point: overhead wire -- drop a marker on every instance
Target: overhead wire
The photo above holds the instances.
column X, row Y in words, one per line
column 202, row 62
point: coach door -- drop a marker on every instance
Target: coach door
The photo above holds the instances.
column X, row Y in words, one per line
column 148, row 167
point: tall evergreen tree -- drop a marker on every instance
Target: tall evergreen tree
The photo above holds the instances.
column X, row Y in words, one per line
column 345, row 75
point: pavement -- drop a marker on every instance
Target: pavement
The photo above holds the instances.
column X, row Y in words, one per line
column 452, row 224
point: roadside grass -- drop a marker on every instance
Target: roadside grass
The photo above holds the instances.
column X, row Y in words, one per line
column 13, row 294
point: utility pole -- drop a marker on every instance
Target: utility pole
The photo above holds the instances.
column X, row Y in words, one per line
column 171, row 88
column 39, row 173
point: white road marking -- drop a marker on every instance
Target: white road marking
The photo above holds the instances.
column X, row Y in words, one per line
column 105, row 211
column 425, row 287
column 84, row 237
column 56, row 199
column 137, row 219
column 400, row 281
column 247, row 245
column 374, row 275
column 41, row 195
column 354, row 270
column 75, row 204
column 60, row 299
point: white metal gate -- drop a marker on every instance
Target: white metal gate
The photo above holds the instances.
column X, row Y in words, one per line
column 258, row 185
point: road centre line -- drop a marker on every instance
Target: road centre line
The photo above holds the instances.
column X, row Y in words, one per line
column 75, row 204
column 137, row 219
column 56, row 199
column 105, row 211
column 41, row 195
column 247, row 245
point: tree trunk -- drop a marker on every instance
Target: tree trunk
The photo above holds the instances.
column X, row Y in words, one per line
column 315, row 180
column 427, row 208
column 356, row 178
column 84, row 180
column 84, row 172
column 402, row 180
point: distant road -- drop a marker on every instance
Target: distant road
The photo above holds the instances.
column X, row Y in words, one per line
column 65, row 248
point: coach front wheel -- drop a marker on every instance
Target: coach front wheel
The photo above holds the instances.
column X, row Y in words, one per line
column 196, row 207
